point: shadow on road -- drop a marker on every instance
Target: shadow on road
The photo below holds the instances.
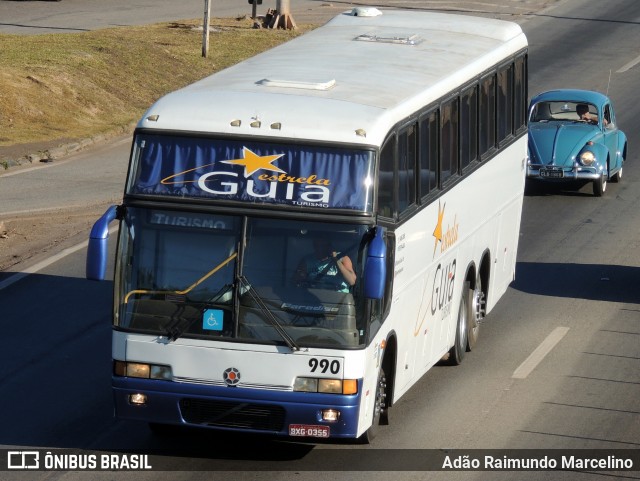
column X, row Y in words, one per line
column 596, row 282
column 55, row 379
column 534, row 188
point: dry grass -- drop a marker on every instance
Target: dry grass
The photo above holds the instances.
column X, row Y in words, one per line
column 76, row 85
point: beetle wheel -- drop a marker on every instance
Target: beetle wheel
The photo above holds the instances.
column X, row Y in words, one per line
column 600, row 186
column 618, row 177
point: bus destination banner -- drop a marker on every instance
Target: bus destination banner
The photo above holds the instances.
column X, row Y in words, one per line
column 252, row 172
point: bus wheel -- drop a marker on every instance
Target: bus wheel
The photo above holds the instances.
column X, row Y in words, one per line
column 457, row 352
column 478, row 311
column 380, row 413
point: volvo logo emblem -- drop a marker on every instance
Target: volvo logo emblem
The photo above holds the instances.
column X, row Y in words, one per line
column 231, row 376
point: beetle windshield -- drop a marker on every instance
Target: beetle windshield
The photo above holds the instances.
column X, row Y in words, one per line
column 562, row 111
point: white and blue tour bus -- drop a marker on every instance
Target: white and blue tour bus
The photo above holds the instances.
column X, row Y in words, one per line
column 305, row 234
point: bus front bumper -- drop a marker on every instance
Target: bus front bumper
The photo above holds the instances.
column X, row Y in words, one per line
column 236, row 409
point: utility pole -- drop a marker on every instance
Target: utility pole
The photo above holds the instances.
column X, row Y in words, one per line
column 205, row 28
column 282, row 16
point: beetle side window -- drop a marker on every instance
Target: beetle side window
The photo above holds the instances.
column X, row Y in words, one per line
column 607, row 116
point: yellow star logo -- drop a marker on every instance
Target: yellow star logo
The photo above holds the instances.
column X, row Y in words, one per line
column 253, row 162
column 437, row 232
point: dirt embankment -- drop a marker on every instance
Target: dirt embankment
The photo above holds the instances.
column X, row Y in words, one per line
column 31, row 238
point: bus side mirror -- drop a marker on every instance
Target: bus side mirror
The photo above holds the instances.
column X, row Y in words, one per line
column 97, row 252
column 375, row 269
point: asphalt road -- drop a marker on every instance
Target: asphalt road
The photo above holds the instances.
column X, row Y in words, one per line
column 577, row 278
column 38, row 17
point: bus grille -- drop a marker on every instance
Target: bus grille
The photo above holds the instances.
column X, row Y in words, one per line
column 236, row 415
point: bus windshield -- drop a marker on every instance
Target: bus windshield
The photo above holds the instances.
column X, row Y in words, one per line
column 254, row 280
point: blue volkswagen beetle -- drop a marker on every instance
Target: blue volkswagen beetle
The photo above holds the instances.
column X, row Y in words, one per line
column 573, row 136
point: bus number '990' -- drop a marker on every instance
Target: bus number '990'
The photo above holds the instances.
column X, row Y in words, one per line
column 325, row 365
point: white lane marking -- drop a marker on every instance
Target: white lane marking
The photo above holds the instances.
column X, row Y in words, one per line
column 541, row 351
column 629, row 66
column 69, row 207
column 47, row 262
column 65, row 160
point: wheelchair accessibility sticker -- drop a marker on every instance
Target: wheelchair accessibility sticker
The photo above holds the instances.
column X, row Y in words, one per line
column 212, row 320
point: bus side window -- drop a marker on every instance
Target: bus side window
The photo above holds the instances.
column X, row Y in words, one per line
column 520, row 93
column 429, row 149
column 487, row 114
column 449, row 140
column 468, row 127
column 505, row 103
column 406, row 168
column 386, row 180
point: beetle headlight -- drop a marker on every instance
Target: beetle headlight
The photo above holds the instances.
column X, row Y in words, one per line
column 587, row 157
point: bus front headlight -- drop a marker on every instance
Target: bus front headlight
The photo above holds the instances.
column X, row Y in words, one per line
column 328, row 386
column 142, row 370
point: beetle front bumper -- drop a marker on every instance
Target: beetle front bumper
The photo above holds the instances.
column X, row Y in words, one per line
column 559, row 174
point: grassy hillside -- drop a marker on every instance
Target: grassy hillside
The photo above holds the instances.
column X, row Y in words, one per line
column 77, row 85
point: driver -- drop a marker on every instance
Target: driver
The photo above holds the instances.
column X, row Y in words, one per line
column 583, row 114
column 325, row 268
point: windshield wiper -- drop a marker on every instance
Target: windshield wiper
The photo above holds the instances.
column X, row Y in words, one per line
column 175, row 330
column 273, row 320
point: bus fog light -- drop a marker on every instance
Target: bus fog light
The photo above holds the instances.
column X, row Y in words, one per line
column 138, row 399
column 330, row 415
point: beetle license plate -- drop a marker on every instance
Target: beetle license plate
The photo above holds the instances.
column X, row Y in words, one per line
column 309, row 430
column 551, row 173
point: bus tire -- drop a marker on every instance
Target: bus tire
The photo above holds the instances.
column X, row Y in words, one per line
column 457, row 352
column 380, row 409
column 477, row 310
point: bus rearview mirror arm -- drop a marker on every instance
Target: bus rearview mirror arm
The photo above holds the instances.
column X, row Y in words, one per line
column 375, row 270
column 97, row 251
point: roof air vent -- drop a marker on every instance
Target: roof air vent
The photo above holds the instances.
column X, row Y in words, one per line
column 296, row 84
column 412, row 39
